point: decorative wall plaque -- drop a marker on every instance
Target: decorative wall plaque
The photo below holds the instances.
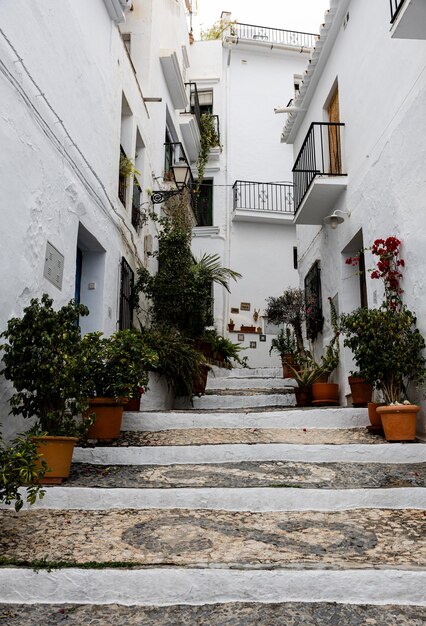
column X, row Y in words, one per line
column 253, row 344
column 240, row 337
column 234, row 310
column 245, row 306
column 262, row 337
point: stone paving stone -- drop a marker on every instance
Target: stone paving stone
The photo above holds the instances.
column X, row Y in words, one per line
column 344, row 539
column 250, row 474
column 232, row 614
column 201, row 436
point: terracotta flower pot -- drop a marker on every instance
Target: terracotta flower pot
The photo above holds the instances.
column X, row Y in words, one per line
column 325, row 394
column 57, row 453
column 361, row 391
column 286, row 360
column 303, row 396
column 231, row 327
column 134, row 404
column 399, row 421
column 200, row 381
column 373, row 416
column 109, row 414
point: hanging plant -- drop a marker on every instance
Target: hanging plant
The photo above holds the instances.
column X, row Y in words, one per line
column 127, row 167
column 209, row 140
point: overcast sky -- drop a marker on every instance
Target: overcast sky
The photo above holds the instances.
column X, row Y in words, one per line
column 300, row 15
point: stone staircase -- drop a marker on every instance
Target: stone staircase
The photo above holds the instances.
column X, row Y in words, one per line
column 229, row 513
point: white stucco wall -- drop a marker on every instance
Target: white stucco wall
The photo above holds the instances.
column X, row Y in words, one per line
column 382, row 91
column 248, row 82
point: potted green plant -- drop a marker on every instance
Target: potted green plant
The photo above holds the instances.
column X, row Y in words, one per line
column 285, row 344
column 118, row 367
column 43, row 358
column 20, row 466
column 231, row 325
column 289, row 308
column 325, row 392
column 387, row 346
column 305, row 376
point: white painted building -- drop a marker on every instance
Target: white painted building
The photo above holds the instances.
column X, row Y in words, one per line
column 244, row 76
column 378, row 154
column 81, row 83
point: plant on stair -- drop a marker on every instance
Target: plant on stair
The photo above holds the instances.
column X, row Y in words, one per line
column 43, row 358
column 20, row 466
column 118, row 366
column 285, row 344
column 290, row 309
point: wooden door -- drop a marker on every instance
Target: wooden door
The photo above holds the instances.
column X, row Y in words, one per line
column 334, row 144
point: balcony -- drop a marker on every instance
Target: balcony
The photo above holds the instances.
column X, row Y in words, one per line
column 263, row 202
column 319, row 174
column 271, row 36
column 408, row 19
column 173, row 77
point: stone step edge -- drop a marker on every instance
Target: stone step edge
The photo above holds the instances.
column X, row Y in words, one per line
column 253, row 499
column 287, row 418
column 222, row 453
column 252, row 391
column 169, row 586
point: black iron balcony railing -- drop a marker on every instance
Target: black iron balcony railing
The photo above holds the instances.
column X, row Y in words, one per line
column 136, row 203
column 273, row 35
column 252, row 196
column 395, row 7
column 194, row 102
column 122, row 179
column 320, row 155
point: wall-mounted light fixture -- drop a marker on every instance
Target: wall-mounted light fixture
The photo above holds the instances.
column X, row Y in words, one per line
column 334, row 220
column 180, row 171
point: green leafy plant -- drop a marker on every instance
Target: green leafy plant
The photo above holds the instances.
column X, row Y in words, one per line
column 284, row 343
column 44, row 359
column 387, row 349
column 307, row 373
column 217, row 29
column 178, row 361
column 118, row 365
column 223, row 350
column 19, row 467
column 209, row 139
column 290, row 308
column 127, row 167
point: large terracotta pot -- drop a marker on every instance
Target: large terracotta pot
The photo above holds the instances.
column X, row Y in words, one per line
column 361, row 391
column 199, row 383
column 325, row 394
column 134, row 404
column 373, row 416
column 287, row 360
column 57, row 453
column 109, row 414
column 399, row 421
column 303, row 396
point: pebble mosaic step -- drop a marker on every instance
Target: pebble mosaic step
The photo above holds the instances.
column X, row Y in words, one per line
column 217, row 436
column 365, row 538
column 229, row 614
column 250, row 475
column 286, row 418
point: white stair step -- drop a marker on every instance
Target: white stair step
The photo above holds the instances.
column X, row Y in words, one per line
column 261, row 499
column 167, row 586
column 223, row 453
column 236, row 401
column 286, row 418
column 245, row 372
column 249, row 383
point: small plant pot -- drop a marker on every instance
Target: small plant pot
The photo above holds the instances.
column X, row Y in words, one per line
column 57, row 453
column 109, row 414
column 325, row 394
column 231, row 327
column 374, row 417
column 303, row 396
column 287, row 360
column 399, row 421
column 133, row 404
column 361, row 391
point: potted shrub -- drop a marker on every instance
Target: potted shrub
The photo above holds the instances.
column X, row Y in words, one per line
column 361, row 389
column 118, row 367
column 285, row 344
column 44, row 360
column 324, row 392
column 290, row 308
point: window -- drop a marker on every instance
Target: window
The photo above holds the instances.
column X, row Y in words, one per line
column 126, row 289
column 205, row 204
column 168, row 154
column 313, row 300
column 205, row 99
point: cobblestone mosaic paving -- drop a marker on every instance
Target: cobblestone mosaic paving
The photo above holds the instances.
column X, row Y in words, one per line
column 200, row 436
column 233, row 614
column 251, row 474
column 344, row 539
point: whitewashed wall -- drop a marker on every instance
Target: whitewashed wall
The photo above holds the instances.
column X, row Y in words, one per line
column 248, row 83
column 382, row 92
